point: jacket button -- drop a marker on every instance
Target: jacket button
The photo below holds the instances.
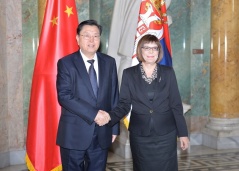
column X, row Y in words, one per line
column 151, row 111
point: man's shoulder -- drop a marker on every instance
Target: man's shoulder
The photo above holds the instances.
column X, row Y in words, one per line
column 70, row 56
column 105, row 56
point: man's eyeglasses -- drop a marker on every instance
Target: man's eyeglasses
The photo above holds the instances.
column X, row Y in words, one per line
column 88, row 37
column 146, row 48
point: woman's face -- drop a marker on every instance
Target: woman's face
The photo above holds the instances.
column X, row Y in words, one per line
column 150, row 52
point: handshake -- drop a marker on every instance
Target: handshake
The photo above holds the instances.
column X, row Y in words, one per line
column 102, row 118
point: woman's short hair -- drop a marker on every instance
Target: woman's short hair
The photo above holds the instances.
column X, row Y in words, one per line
column 148, row 38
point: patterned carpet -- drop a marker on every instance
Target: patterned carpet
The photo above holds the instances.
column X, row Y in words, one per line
column 227, row 161
column 210, row 162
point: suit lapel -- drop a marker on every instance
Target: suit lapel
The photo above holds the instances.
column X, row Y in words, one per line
column 161, row 82
column 80, row 65
column 142, row 91
column 101, row 73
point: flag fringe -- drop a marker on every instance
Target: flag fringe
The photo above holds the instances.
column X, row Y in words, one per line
column 29, row 164
column 31, row 167
column 58, row 168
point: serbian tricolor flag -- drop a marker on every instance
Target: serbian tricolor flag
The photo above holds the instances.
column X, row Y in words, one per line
column 152, row 19
column 57, row 39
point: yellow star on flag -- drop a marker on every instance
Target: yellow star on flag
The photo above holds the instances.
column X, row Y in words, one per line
column 54, row 21
column 68, row 11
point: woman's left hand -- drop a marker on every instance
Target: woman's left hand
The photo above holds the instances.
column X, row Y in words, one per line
column 184, row 143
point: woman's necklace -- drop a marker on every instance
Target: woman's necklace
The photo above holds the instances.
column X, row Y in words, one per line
column 149, row 80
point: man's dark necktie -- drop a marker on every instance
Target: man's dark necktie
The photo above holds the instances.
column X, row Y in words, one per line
column 93, row 78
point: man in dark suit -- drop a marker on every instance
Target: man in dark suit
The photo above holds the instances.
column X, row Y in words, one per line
column 86, row 84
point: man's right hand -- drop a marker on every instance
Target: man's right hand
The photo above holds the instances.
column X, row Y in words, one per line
column 102, row 118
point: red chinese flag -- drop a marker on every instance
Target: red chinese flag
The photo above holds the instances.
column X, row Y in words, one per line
column 58, row 38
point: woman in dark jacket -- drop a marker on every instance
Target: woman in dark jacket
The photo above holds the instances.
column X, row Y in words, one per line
column 157, row 113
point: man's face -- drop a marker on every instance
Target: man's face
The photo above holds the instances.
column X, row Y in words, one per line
column 89, row 40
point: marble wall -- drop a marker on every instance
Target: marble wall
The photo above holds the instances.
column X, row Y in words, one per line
column 11, row 89
column 200, row 68
column 29, row 48
column 19, row 41
column 180, row 35
column 190, row 30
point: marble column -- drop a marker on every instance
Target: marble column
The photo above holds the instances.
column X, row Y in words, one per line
column 222, row 129
column 4, row 147
column 11, row 85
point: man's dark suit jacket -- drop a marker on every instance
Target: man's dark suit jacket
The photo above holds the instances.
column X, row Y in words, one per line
column 80, row 106
column 165, row 110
